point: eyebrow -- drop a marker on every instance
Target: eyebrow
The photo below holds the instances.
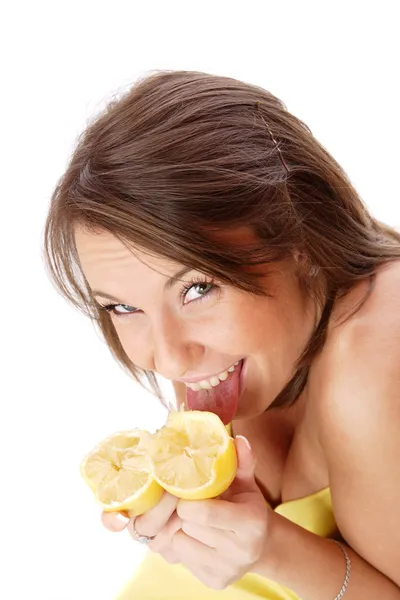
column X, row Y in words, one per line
column 167, row 286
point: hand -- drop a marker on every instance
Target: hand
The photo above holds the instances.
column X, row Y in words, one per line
column 161, row 521
column 220, row 540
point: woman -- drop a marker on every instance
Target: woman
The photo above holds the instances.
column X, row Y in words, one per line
column 200, row 224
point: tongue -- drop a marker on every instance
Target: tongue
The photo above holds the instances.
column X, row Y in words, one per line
column 221, row 400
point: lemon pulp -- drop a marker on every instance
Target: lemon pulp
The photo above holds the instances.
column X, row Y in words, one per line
column 119, row 473
column 193, row 455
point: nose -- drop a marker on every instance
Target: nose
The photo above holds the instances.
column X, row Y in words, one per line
column 174, row 352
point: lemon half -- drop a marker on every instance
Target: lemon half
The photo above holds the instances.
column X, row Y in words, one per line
column 118, row 471
column 193, row 456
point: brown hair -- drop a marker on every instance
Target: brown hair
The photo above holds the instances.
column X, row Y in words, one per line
column 184, row 155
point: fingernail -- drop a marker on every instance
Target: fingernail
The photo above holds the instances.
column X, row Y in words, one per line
column 246, row 441
column 114, row 521
column 122, row 518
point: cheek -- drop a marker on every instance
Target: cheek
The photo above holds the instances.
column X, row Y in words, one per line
column 263, row 330
column 239, row 325
column 135, row 341
column 244, row 325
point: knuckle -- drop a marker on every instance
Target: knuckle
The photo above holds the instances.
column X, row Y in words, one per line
column 152, row 522
column 199, row 511
column 217, row 583
column 144, row 525
column 253, row 554
column 247, row 553
column 169, row 502
column 173, row 526
column 189, row 528
column 185, row 508
column 179, row 544
column 231, row 571
column 163, row 539
column 206, row 511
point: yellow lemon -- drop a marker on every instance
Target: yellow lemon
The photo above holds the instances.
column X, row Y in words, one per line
column 119, row 473
column 193, row 456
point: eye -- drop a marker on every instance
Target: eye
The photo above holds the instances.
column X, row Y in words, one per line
column 196, row 290
column 112, row 309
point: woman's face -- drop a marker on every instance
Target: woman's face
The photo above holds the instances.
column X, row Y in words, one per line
column 203, row 329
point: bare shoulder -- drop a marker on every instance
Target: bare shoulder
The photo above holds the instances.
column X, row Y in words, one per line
column 357, row 377
column 361, row 358
column 357, row 413
column 378, row 316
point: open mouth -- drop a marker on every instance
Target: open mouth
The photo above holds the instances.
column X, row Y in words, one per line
column 221, row 399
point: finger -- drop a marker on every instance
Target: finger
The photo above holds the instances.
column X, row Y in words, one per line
column 223, row 541
column 211, row 513
column 244, row 479
column 192, row 552
column 238, row 518
column 162, row 542
column 114, row 521
column 151, row 522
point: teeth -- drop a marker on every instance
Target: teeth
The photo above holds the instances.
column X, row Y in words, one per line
column 223, row 376
column 194, row 386
column 208, row 384
column 205, row 385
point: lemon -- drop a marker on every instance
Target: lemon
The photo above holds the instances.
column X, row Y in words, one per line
column 119, row 473
column 193, row 456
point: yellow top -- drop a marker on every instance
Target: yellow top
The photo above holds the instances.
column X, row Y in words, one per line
column 155, row 579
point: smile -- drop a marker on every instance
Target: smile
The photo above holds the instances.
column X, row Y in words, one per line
column 214, row 381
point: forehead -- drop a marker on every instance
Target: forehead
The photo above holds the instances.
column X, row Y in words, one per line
column 104, row 258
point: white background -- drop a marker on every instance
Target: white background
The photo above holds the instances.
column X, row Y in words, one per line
column 335, row 65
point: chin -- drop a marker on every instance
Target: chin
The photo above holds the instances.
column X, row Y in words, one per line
column 248, row 409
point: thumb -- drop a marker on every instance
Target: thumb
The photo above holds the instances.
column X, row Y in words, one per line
column 244, row 481
column 246, row 464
